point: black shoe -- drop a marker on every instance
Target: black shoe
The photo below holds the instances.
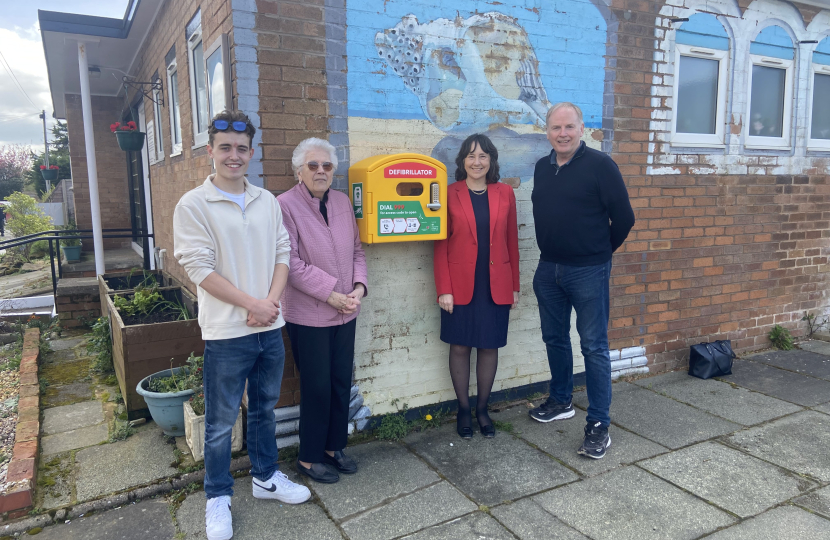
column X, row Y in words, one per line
column 488, row 429
column 341, row 462
column 595, row 442
column 463, row 423
column 552, row 410
column 319, row 472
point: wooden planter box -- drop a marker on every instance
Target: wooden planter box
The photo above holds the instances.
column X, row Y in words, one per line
column 143, row 349
column 194, row 432
column 113, row 284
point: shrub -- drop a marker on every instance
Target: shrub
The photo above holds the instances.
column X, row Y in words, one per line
column 25, row 217
column 781, row 338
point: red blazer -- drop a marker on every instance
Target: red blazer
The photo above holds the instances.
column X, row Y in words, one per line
column 455, row 257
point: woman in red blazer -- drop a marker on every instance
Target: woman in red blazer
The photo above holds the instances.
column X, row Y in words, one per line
column 477, row 275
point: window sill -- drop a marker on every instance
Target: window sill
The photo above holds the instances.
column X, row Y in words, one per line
column 777, row 147
column 176, row 154
column 682, row 145
column 198, row 145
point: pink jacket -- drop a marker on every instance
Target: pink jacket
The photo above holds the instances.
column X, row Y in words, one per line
column 324, row 258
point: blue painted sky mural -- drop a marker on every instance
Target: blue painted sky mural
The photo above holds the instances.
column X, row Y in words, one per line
column 475, row 64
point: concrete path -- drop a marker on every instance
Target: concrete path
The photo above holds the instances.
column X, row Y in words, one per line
column 742, row 457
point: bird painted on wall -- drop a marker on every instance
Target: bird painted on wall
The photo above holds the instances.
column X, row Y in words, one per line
column 469, row 74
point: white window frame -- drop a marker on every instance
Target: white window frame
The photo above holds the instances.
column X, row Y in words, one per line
column 704, row 140
column 821, row 145
column 200, row 138
column 221, row 44
column 176, row 147
column 158, row 151
column 772, row 143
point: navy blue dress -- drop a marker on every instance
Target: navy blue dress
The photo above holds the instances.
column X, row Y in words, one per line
column 482, row 323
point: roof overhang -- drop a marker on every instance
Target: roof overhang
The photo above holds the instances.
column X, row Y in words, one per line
column 112, row 48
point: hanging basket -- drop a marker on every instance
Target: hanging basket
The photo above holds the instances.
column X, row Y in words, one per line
column 130, row 141
column 49, row 174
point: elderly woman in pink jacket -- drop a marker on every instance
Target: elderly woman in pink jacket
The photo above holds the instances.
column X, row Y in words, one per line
column 326, row 280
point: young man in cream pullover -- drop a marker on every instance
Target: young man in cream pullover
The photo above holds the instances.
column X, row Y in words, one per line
column 230, row 239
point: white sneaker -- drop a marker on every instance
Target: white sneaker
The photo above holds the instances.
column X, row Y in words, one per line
column 281, row 488
column 218, row 522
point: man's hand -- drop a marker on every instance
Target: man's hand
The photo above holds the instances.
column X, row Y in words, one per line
column 446, row 302
column 263, row 312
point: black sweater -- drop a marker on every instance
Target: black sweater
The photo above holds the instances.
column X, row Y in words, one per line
column 581, row 210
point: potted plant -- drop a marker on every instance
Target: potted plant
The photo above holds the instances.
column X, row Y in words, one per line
column 194, row 415
column 150, row 325
column 165, row 391
column 129, row 138
column 71, row 247
column 49, row 173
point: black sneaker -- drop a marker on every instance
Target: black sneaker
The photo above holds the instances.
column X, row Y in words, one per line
column 551, row 410
column 595, row 442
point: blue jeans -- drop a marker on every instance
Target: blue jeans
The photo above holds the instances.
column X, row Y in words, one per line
column 259, row 359
column 559, row 288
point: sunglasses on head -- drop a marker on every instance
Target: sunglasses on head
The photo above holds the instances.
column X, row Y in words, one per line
column 313, row 166
column 222, row 125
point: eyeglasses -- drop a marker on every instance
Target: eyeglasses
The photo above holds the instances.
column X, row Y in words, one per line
column 222, row 125
column 313, row 166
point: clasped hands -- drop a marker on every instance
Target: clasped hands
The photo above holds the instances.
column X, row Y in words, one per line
column 264, row 313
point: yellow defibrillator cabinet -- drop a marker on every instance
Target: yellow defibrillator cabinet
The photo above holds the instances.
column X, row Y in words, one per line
column 399, row 198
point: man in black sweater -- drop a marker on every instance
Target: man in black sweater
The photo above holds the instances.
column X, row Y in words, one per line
column 582, row 215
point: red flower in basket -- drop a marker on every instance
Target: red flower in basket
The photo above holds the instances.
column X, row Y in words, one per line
column 129, row 126
column 53, row 167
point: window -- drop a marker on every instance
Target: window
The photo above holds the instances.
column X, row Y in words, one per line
column 198, row 79
column 218, row 76
column 820, row 112
column 173, row 103
column 155, row 141
column 770, row 90
column 701, row 58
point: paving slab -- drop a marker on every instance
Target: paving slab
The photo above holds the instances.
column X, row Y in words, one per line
column 478, row 526
column 529, row 521
column 490, row 471
column 69, row 417
column 424, row 508
column 719, row 398
column 387, row 470
column 782, row 523
column 72, row 440
column 803, row 362
column 68, row 393
column 815, row 345
column 798, row 442
column 69, row 343
column 630, row 503
column 141, row 459
column 258, row 519
column 728, row 478
column 825, row 408
column 562, row 438
column 779, row 383
column 145, row 520
column 659, row 418
column 817, row 501
column 58, row 356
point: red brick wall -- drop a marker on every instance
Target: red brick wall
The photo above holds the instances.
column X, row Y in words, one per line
column 112, row 167
column 292, row 88
column 711, row 256
column 174, row 176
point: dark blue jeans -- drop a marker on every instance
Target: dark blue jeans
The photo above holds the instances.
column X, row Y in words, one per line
column 559, row 288
column 259, row 359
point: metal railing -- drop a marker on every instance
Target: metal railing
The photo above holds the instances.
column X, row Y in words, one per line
column 55, row 236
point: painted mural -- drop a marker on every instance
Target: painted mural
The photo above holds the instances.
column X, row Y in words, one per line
column 435, row 75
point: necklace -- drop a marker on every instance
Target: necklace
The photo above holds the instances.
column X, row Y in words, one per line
column 478, row 191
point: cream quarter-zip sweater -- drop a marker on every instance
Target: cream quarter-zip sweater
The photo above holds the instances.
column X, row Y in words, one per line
column 213, row 234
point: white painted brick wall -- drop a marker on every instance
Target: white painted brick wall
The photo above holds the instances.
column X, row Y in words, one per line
column 398, row 352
